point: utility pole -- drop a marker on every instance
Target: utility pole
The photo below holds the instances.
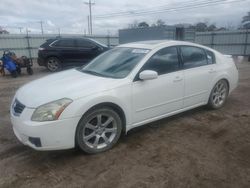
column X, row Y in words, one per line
column 41, row 22
column 90, row 15
column 59, row 31
column 88, row 25
column 20, row 29
column 28, row 43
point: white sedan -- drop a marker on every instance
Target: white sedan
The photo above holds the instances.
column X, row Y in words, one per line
column 128, row 86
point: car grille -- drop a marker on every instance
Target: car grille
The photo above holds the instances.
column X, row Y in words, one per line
column 17, row 108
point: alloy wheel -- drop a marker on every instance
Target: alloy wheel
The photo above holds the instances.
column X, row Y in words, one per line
column 219, row 93
column 53, row 64
column 100, row 131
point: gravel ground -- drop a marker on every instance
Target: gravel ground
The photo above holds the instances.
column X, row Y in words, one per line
column 198, row 148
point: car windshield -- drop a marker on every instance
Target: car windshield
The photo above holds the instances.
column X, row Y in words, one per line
column 115, row 63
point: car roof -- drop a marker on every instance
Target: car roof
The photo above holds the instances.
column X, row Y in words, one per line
column 73, row 38
column 152, row 44
column 70, row 38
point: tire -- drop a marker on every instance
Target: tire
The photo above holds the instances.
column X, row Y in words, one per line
column 53, row 64
column 29, row 71
column 218, row 95
column 98, row 130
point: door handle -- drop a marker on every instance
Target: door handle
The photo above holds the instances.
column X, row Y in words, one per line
column 178, row 79
column 212, row 71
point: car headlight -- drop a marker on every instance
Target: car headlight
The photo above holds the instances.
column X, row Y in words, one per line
column 50, row 111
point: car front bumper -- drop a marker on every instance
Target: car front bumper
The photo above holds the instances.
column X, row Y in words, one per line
column 50, row 135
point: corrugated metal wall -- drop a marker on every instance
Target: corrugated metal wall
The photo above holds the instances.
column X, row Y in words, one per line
column 189, row 35
column 146, row 33
column 227, row 42
column 28, row 46
column 156, row 33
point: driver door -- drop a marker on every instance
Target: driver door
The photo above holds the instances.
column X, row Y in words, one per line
column 160, row 96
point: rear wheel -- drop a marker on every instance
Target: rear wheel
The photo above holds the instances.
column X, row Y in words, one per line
column 99, row 130
column 53, row 64
column 218, row 95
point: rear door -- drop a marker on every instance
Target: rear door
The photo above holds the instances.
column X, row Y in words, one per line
column 199, row 71
column 86, row 50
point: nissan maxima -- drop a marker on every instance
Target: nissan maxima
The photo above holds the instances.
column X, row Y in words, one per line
column 123, row 88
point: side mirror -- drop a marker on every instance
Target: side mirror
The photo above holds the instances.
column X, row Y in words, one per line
column 148, row 75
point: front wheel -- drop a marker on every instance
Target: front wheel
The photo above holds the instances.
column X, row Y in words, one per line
column 218, row 95
column 98, row 130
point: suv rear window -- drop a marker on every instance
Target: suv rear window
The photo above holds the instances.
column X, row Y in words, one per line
column 81, row 43
column 64, row 43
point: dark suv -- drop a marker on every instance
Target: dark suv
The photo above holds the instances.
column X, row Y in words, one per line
column 59, row 52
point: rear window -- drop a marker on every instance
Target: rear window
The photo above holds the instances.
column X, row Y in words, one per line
column 210, row 57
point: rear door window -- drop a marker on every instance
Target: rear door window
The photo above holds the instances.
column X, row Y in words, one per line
column 65, row 43
column 193, row 57
column 84, row 44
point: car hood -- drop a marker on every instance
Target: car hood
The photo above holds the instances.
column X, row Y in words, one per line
column 71, row 84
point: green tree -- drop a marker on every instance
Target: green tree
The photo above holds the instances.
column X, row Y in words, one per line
column 212, row 27
column 246, row 21
column 201, row 27
column 143, row 24
column 133, row 25
column 3, row 31
column 160, row 23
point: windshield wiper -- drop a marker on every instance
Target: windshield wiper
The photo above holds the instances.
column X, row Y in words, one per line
column 94, row 73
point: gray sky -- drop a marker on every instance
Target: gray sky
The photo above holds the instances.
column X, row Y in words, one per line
column 71, row 16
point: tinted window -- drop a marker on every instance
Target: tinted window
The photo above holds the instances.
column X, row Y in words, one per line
column 84, row 44
column 193, row 57
column 210, row 57
column 163, row 61
column 64, row 43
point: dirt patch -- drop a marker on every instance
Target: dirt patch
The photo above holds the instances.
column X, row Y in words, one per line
column 198, row 148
